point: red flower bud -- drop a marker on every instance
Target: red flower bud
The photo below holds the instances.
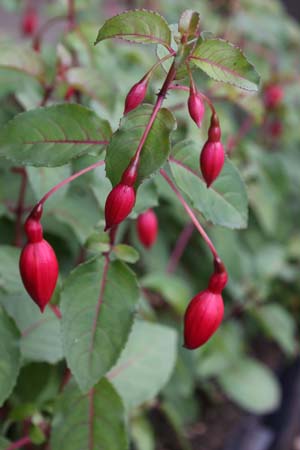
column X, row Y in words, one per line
column 211, row 161
column 273, row 95
column 202, row 318
column 119, row 204
column 29, row 22
column 147, row 228
column 38, row 265
column 69, row 93
column 212, row 156
column 196, row 107
column 275, row 128
column 136, row 95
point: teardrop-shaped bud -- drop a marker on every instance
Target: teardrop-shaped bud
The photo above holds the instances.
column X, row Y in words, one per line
column 202, row 318
column 38, row 265
column 119, row 204
column 196, row 107
column 211, row 161
column 147, row 227
column 273, row 95
column 29, row 22
column 136, row 95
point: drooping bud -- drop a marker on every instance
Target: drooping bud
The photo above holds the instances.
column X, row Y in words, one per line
column 275, row 128
column 38, row 264
column 273, row 95
column 196, row 107
column 147, row 227
column 119, row 204
column 212, row 156
column 205, row 311
column 202, row 318
column 69, row 93
column 136, row 95
column 29, row 22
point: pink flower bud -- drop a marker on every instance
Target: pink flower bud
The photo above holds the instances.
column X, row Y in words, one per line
column 273, row 95
column 119, row 204
column 202, row 318
column 29, row 22
column 38, row 265
column 136, row 95
column 147, row 227
column 275, row 128
column 196, row 107
column 211, row 161
column 212, row 156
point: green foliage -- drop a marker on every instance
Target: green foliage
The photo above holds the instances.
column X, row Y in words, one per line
column 53, row 136
column 97, row 420
column 94, row 331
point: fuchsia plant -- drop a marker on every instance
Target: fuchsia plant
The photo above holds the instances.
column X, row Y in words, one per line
column 38, row 263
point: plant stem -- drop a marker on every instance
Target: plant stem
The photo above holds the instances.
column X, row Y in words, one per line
column 180, row 246
column 20, row 206
column 37, row 40
column 192, row 215
column 71, row 14
column 160, row 98
column 20, row 443
column 56, row 311
column 66, row 181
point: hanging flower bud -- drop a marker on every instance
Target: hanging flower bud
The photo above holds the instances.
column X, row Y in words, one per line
column 196, row 107
column 38, row 264
column 202, row 318
column 147, row 228
column 275, row 128
column 119, row 204
column 136, row 95
column 273, row 95
column 205, row 311
column 69, row 93
column 29, row 22
column 212, row 156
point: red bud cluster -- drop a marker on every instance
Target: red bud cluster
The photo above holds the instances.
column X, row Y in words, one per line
column 147, row 227
column 212, row 156
column 196, row 107
column 29, row 22
column 38, row 263
column 205, row 311
column 136, row 95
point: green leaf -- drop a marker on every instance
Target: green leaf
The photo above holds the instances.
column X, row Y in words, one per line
column 98, row 304
column 279, row 324
column 251, row 385
column 174, row 289
column 142, row 26
column 126, row 253
column 10, row 356
column 40, row 333
column 91, row 422
column 142, row 433
column 4, row 443
column 145, row 364
column 126, row 139
column 222, row 61
column 53, row 135
column 9, row 275
column 189, row 23
column 225, row 202
column 21, row 58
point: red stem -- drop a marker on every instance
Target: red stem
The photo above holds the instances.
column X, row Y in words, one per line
column 71, row 14
column 20, row 206
column 191, row 214
column 160, row 98
column 180, row 246
column 37, row 40
column 56, row 311
column 20, row 443
column 66, row 181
